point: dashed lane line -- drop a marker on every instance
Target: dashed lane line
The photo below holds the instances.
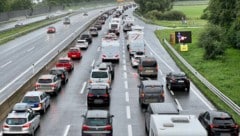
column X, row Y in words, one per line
column 127, row 96
column 128, row 112
column 130, row 130
column 4, row 65
column 83, row 87
column 125, row 75
column 93, row 63
column 67, row 130
column 126, row 84
column 178, row 104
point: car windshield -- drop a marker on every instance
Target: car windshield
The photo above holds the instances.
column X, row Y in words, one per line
column 149, row 63
column 84, row 36
column 16, row 121
column 63, row 61
column 30, row 99
column 223, row 121
column 96, row 121
column 99, row 74
column 97, row 91
column 44, row 80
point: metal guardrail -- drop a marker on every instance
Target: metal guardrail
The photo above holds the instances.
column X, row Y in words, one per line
column 217, row 92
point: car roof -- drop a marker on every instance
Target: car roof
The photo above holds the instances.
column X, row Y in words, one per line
column 148, row 59
column 46, row 76
column 33, row 93
column 58, row 68
column 178, row 74
column 164, row 108
column 97, row 114
column 98, row 86
column 64, row 58
column 151, row 83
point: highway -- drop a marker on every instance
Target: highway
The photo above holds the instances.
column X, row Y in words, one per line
column 63, row 118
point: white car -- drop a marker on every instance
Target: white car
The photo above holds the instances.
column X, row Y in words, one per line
column 135, row 59
column 82, row 44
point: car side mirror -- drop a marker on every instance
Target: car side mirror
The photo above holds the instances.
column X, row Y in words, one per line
column 112, row 116
column 138, row 86
column 83, row 116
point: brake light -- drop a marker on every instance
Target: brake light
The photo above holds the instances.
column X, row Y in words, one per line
column 53, row 86
column 172, row 80
column 40, row 105
column 162, row 94
column 142, row 95
column 140, row 68
column 105, row 95
column 62, row 76
column 108, row 128
column 90, row 81
column 85, row 128
column 104, row 56
column 109, row 81
column 37, row 86
column 27, row 125
column 90, row 95
column 213, row 126
column 5, row 126
column 116, row 56
column 235, row 126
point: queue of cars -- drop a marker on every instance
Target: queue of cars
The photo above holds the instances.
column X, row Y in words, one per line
column 161, row 118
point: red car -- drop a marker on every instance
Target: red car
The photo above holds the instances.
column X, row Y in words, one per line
column 74, row 53
column 65, row 62
column 51, row 29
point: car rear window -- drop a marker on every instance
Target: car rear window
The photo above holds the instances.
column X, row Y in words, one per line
column 30, row 99
column 149, row 63
column 56, row 72
column 97, row 121
column 114, row 26
column 44, row 80
column 98, row 91
column 80, row 41
column 73, row 50
column 63, row 61
column 153, row 89
column 223, row 121
column 84, row 36
column 16, row 121
column 99, row 74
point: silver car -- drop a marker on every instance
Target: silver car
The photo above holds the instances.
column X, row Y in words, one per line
column 22, row 120
column 39, row 101
column 82, row 44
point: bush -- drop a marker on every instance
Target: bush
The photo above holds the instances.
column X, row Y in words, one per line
column 172, row 15
column 233, row 34
column 213, row 41
column 154, row 14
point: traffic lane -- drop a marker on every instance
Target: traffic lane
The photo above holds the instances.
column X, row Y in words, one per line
column 42, row 46
column 71, row 103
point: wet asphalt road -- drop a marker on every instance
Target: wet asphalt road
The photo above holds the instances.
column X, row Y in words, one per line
column 63, row 118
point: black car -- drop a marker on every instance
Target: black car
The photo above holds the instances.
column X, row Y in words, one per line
column 98, row 26
column 148, row 67
column 127, row 27
column 61, row 73
column 98, row 95
column 97, row 123
column 177, row 80
column 86, row 37
column 219, row 123
column 150, row 91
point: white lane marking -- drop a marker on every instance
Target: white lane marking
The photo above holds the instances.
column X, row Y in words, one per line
column 99, row 48
column 130, row 130
column 30, row 49
column 83, row 87
column 178, row 104
column 125, row 75
column 158, row 56
column 124, row 56
column 151, row 53
column 126, row 84
column 128, row 112
column 160, row 71
column 4, row 65
column 124, row 68
column 67, row 130
column 93, row 63
column 45, row 56
column 127, row 96
column 123, row 51
column 172, row 93
column 194, row 90
column 124, row 62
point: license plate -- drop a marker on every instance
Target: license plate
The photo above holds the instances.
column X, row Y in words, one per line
column 180, row 81
column 74, row 56
column 149, row 71
column 98, row 101
column 225, row 134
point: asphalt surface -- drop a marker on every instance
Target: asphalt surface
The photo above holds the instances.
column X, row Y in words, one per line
column 63, row 118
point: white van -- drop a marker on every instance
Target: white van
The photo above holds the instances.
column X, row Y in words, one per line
column 110, row 49
column 176, row 125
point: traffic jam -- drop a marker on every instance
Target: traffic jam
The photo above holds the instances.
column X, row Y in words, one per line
column 160, row 117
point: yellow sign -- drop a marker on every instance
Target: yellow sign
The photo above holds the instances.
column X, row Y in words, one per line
column 120, row 0
column 183, row 47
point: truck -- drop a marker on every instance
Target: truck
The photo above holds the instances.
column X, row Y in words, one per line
column 114, row 26
column 176, row 125
column 135, row 41
column 110, row 48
